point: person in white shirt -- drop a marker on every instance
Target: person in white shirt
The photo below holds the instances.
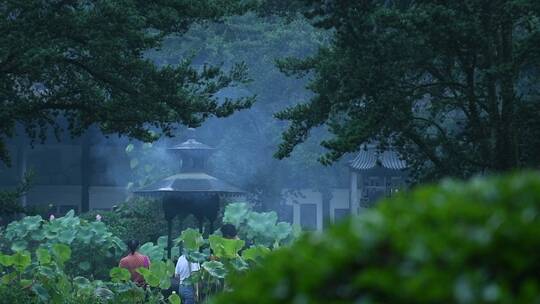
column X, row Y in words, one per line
column 183, row 271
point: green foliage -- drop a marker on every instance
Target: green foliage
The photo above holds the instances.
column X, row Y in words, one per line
column 255, row 253
column 258, row 227
column 215, row 269
column 191, row 239
column 222, row 258
column 44, row 281
column 456, row 242
column 96, row 73
column 118, row 274
column 452, row 85
column 154, row 252
column 259, row 42
column 159, row 274
column 225, row 248
column 138, row 218
column 174, row 299
column 9, row 199
column 93, row 247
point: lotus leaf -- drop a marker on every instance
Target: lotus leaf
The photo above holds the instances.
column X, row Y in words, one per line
column 47, row 272
column 215, row 269
column 119, row 274
column 32, row 222
column 6, row 279
column 38, row 235
column 162, row 241
column 150, row 277
column 260, row 223
column 67, row 236
column 25, row 283
column 174, row 299
column 43, row 256
column 196, row 257
column 225, row 248
column 154, row 252
column 6, row 260
column 255, row 253
column 62, row 252
column 85, row 234
column 236, row 213
column 281, row 231
column 19, row 245
column 192, row 239
column 21, row 260
column 239, row 264
column 41, row 292
column 104, row 293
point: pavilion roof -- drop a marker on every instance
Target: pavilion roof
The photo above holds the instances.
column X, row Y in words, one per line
column 196, row 182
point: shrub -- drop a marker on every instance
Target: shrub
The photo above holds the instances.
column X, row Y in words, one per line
column 139, row 218
column 474, row 242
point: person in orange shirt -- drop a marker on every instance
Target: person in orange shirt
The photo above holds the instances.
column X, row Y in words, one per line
column 133, row 261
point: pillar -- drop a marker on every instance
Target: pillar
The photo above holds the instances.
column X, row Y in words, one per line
column 353, row 193
column 169, row 237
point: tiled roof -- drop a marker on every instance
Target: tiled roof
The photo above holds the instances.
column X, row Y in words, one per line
column 189, row 182
column 369, row 157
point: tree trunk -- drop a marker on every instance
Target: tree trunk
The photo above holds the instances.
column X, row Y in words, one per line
column 506, row 157
column 85, row 173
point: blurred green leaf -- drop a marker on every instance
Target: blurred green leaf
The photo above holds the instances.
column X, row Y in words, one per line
column 41, row 292
column 255, row 253
column 225, row 248
column 62, row 252
column 43, row 256
column 215, row 269
column 21, row 260
column 119, row 274
column 129, row 148
column 174, row 299
column 192, row 239
column 133, row 163
column 236, row 213
column 6, row 260
column 19, row 245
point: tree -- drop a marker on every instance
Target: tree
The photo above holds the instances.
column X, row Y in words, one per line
column 84, row 62
column 247, row 139
column 451, row 85
column 9, row 200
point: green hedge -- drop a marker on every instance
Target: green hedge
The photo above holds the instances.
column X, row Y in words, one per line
column 475, row 242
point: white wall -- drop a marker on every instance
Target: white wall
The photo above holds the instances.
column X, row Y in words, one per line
column 340, row 200
column 100, row 197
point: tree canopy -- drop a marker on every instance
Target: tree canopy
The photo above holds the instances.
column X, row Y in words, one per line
column 83, row 62
column 251, row 136
column 451, row 85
